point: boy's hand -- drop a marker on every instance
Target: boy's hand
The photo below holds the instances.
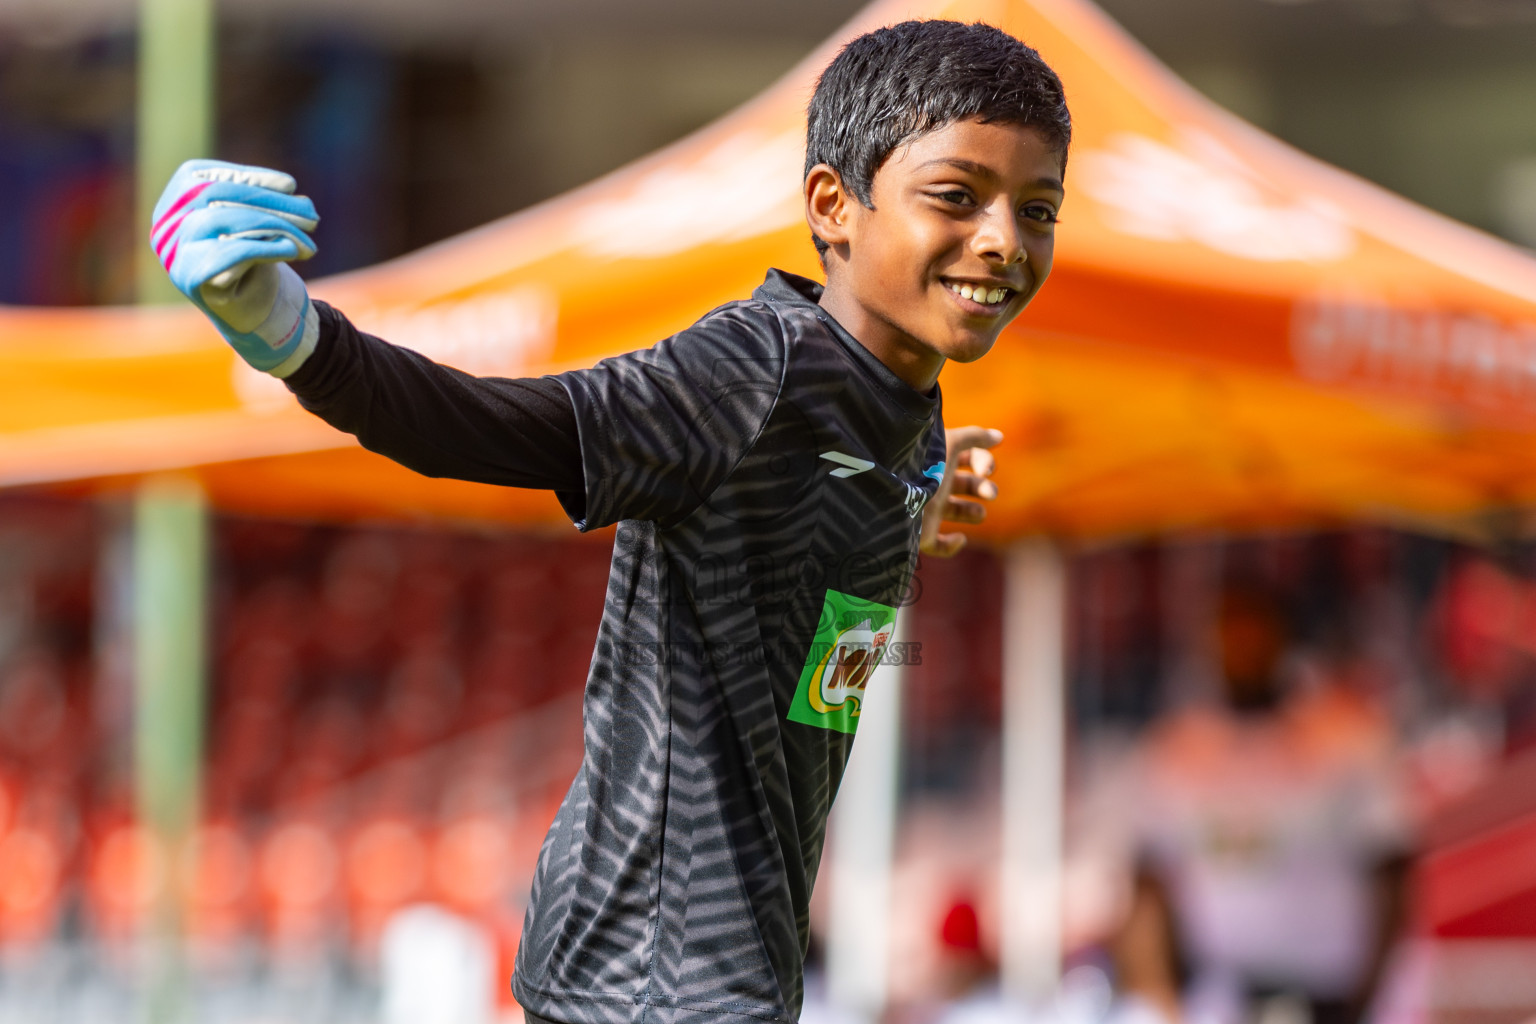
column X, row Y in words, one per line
column 965, row 479
column 224, row 232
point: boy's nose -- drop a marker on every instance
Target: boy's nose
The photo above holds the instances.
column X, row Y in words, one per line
column 999, row 237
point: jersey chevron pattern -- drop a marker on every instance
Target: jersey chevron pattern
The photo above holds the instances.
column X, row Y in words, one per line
column 675, row 883
column 767, row 475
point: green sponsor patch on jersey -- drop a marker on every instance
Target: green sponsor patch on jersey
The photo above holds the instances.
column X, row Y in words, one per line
column 850, row 640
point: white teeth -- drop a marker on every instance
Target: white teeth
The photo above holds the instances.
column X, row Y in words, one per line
column 985, row 296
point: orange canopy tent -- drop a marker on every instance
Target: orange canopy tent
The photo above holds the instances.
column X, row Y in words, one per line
column 1234, row 335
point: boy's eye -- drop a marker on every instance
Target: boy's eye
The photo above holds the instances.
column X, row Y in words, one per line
column 954, row 195
column 1039, row 214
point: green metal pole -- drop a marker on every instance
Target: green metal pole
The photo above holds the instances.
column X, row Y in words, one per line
column 175, row 117
column 170, row 572
column 170, row 559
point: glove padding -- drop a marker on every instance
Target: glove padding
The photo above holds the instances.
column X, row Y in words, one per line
column 225, row 233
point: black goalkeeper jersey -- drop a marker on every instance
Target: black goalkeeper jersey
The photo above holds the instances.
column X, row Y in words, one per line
column 767, row 474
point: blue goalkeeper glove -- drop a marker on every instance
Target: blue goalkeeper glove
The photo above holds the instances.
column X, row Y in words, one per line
column 225, row 234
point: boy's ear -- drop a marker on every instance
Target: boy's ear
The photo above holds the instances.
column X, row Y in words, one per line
column 827, row 203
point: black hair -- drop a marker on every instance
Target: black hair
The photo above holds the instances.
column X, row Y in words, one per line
column 895, row 83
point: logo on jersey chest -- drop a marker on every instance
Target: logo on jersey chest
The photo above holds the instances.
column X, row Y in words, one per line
column 913, row 497
column 916, row 499
column 851, row 639
column 847, row 465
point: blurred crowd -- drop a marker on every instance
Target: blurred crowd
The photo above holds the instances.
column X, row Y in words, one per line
column 1267, row 739
column 393, row 716
column 1261, row 734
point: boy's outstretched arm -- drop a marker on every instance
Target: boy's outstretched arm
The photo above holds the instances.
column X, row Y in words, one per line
column 225, row 234
column 439, row 421
column 965, row 480
column 645, row 435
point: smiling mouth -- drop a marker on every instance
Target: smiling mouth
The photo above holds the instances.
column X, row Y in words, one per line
column 981, row 297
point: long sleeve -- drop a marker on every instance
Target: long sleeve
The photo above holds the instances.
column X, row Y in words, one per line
column 662, row 427
column 439, row 421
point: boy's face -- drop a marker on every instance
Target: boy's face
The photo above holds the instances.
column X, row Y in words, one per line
column 969, row 207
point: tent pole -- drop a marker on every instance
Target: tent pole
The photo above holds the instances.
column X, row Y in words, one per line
column 175, row 115
column 170, row 572
column 862, row 844
column 1034, row 636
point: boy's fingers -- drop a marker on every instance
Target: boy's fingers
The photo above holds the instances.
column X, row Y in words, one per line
column 967, row 482
column 945, row 545
column 202, row 262
column 217, row 223
column 964, row 481
column 244, row 193
column 968, row 448
column 962, row 438
column 295, row 217
column 964, row 510
column 977, row 460
column 173, row 211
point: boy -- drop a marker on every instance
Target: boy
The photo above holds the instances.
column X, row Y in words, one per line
column 768, row 469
